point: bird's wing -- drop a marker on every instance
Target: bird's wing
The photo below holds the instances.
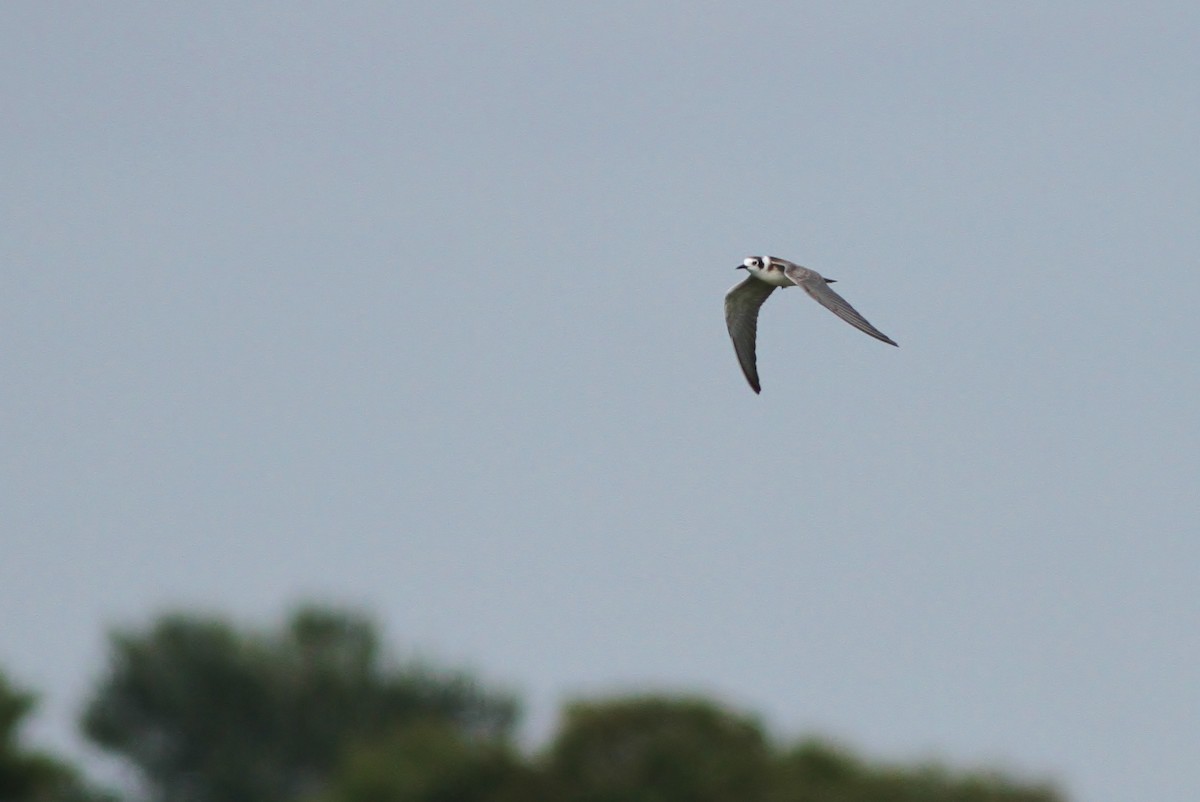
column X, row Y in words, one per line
column 741, row 316
column 821, row 292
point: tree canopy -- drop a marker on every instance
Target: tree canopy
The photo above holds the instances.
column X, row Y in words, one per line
column 431, row 762
column 208, row 712
column 28, row 775
column 689, row 749
column 655, row 749
column 817, row 771
column 317, row 711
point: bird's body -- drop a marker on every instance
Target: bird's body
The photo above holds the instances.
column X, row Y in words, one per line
column 771, row 270
column 742, row 303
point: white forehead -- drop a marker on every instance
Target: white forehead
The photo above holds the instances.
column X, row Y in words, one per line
column 750, row 261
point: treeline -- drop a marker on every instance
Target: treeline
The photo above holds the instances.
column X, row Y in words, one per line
column 204, row 711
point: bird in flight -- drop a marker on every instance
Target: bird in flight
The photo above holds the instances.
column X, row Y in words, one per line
column 767, row 273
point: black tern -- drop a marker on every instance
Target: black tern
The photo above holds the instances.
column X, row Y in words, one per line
column 767, row 273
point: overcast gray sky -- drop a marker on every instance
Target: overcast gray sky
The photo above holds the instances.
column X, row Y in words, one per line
column 418, row 307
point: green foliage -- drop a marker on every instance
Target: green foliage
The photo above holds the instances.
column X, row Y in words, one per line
column 814, row 771
column 211, row 713
column 653, row 749
column 657, row 749
column 313, row 713
column 30, row 776
column 431, row 762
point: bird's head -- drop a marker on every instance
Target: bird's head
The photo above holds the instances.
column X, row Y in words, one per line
column 754, row 264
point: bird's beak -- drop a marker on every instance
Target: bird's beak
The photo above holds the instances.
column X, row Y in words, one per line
column 741, row 267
